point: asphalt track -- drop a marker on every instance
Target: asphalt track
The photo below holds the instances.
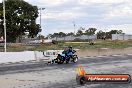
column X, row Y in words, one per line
column 41, row 75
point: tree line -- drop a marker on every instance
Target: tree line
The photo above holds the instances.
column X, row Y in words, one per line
column 90, row 31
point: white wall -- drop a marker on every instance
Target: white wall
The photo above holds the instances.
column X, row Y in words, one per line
column 28, row 55
column 16, row 56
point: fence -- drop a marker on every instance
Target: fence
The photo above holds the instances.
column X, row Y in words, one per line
column 28, row 40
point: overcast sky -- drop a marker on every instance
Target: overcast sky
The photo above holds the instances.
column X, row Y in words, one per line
column 101, row 14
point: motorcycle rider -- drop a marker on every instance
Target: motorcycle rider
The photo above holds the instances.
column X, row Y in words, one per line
column 65, row 52
column 70, row 51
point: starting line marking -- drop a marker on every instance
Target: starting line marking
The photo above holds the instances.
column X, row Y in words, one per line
column 117, row 55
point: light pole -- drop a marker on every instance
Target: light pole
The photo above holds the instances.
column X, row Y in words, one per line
column 40, row 14
column 74, row 28
column 105, row 33
column 0, row 20
column 40, row 20
column 105, row 37
column 4, row 24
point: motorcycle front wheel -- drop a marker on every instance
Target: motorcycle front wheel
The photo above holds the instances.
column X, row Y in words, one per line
column 75, row 59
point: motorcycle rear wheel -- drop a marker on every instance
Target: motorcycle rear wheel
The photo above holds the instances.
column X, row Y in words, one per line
column 59, row 60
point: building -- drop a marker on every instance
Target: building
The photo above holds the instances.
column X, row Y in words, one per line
column 71, row 38
column 121, row 37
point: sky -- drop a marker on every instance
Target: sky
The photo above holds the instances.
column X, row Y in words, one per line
column 59, row 15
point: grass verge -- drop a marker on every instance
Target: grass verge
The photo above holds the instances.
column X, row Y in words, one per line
column 77, row 45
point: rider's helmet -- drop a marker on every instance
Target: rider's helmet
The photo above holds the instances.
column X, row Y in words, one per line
column 70, row 47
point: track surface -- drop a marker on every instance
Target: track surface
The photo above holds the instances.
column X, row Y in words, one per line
column 40, row 75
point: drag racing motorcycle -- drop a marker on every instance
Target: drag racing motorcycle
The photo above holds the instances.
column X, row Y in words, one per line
column 62, row 58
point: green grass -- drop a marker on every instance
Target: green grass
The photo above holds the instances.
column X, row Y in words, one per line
column 81, row 45
column 98, row 44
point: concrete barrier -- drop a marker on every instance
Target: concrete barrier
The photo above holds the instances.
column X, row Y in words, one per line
column 16, row 56
column 52, row 54
column 103, row 52
column 12, row 57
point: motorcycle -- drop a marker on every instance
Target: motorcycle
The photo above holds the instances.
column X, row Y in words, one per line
column 70, row 57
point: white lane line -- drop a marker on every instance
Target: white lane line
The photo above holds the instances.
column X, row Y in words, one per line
column 87, row 57
column 129, row 54
column 95, row 56
column 103, row 56
column 117, row 55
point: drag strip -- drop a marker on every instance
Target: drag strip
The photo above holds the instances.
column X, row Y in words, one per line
column 41, row 75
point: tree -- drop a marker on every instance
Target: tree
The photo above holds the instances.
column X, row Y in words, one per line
column 40, row 37
column 100, row 34
column 79, row 32
column 108, row 35
column 55, row 35
column 49, row 36
column 1, row 21
column 61, row 34
column 20, row 18
column 115, row 32
column 70, row 34
column 120, row 32
column 81, row 28
column 90, row 31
